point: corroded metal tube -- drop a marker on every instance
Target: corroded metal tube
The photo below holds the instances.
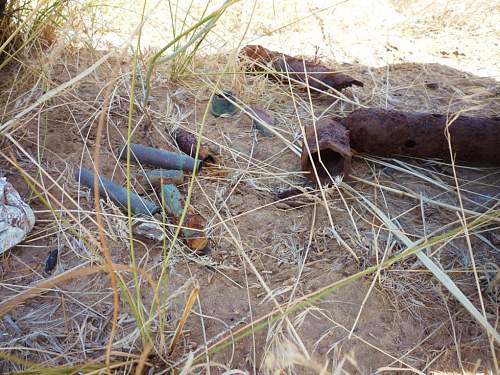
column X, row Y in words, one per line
column 117, row 193
column 329, row 149
column 388, row 133
column 192, row 230
column 319, row 76
column 158, row 177
column 161, row 158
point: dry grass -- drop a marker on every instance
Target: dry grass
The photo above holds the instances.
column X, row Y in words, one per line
column 326, row 282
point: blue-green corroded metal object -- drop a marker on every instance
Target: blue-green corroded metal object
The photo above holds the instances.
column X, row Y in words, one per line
column 158, row 177
column 173, row 200
column 223, row 104
column 117, row 193
column 161, row 158
column 192, row 230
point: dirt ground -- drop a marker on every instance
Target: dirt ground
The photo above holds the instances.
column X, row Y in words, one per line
column 399, row 320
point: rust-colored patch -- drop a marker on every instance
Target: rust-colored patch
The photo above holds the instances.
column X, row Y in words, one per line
column 195, row 239
column 330, row 151
column 388, row 133
column 187, row 143
column 319, row 76
column 215, row 169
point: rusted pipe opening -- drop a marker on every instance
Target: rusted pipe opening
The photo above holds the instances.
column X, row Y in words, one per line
column 330, row 150
column 328, row 163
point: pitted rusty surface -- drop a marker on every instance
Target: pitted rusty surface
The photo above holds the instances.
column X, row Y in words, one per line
column 330, row 149
column 318, row 76
column 187, row 143
column 389, row 133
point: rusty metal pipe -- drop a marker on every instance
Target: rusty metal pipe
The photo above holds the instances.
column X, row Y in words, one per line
column 117, row 193
column 160, row 158
column 319, row 76
column 328, row 144
column 388, row 133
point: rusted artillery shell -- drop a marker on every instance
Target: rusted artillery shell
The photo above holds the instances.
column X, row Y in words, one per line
column 117, row 193
column 187, row 143
column 261, row 120
column 158, row 177
column 331, row 154
column 192, row 228
column 160, row 158
column 388, row 133
column 319, row 76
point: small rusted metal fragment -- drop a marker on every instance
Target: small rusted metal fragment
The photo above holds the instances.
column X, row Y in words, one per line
column 331, row 154
column 192, row 230
column 262, row 121
column 158, row 177
column 193, row 233
column 318, row 76
column 160, row 158
column 389, row 133
column 187, row 143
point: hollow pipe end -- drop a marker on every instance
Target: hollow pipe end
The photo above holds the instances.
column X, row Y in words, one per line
column 329, row 151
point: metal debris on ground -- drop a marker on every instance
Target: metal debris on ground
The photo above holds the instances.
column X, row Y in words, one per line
column 388, row 133
column 16, row 217
column 193, row 229
column 385, row 132
column 158, row 177
column 328, row 150
column 160, row 158
column 187, row 143
column 117, row 193
column 319, row 76
column 223, row 104
column 262, row 121
column 51, row 261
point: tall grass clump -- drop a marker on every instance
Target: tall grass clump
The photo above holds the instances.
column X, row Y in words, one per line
column 28, row 26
